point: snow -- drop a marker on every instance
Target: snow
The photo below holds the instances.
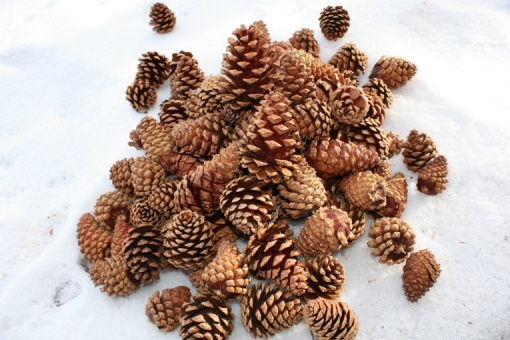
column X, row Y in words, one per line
column 64, row 68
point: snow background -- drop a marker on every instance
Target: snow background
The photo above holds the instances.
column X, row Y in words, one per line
column 64, row 68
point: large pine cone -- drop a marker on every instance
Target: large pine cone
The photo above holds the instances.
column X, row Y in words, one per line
column 334, row 22
column 153, row 137
column 432, row 178
column 162, row 18
column 394, row 71
column 208, row 316
column 172, row 111
column 161, row 199
column 420, row 273
column 304, row 40
column 111, row 205
column 396, row 196
column 112, row 274
column 164, row 309
column 142, row 252
column 93, row 239
column 313, row 119
column 327, row 277
column 349, row 58
column 419, row 150
column 378, row 87
column 141, row 213
column 185, row 75
column 154, row 68
column 141, row 95
column 364, row 190
column 392, row 238
column 297, row 82
column 187, row 240
column 330, row 319
column 349, row 104
column 146, row 175
column 266, row 310
column 120, row 174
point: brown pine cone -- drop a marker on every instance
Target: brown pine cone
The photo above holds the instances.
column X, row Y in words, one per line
column 141, row 95
column 187, row 240
column 146, row 174
column 180, row 164
column 246, row 203
column 304, row 40
column 378, row 87
column 93, row 239
column 195, row 278
column 120, row 235
column 383, row 169
column 396, row 196
column 172, row 111
column 376, row 113
column 207, row 98
column 349, row 104
column 185, row 75
column 154, row 68
column 420, row 273
column 328, row 78
column 334, row 22
column 297, row 83
column 162, row 18
column 161, row 199
column 432, row 178
column 327, row 277
column 266, row 310
column 142, row 253
column 120, row 174
column 222, row 229
column 364, row 190
column 313, row 119
column 110, row 205
column 208, row 316
column 326, row 231
column 141, row 213
column 349, row 58
column 419, row 150
column 164, row 309
column 112, row 274
column 394, row 71
column 153, row 137
column 371, row 137
column 392, row 238
column 358, row 221
column 262, row 27
column 330, row 319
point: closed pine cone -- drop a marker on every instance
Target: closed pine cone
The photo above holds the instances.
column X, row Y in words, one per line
column 349, row 58
column 349, row 104
column 112, row 274
column 297, row 82
column 207, row 98
column 313, row 118
column 327, row 277
column 142, row 252
column 110, row 205
column 325, row 231
column 185, row 75
column 432, row 178
column 154, row 68
column 120, row 235
column 146, row 174
column 172, row 111
column 371, row 137
column 164, row 309
column 141, row 213
column 392, row 238
column 161, row 199
column 396, row 196
column 93, row 239
column 330, row 319
column 364, row 190
column 180, row 164
column 162, row 18
column 378, row 87
column 266, row 310
column 208, row 316
column 334, row 22
column 153, row 137
column 120, row 174
column 394, row 71
column 141, row 95
column 420, row 273
column 304, row 40
column 419, row 150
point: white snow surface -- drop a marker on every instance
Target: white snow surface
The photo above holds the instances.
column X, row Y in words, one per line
column 64, row 69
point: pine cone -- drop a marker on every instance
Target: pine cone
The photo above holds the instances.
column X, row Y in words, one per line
column 262, row 27
column 395, row 72
column 162, row 18
column 141, row 95
column 328, row 79
column 154, row 68
column 161, row 199
column 378, row 87
column 185, row 75
column 187, row 240
column 120, row 235
column 142, row 252
column 364, row 190
column 172, row 111
column 313, row 119
column 327, row 277
column 245, row 203
column 112, row 273
column 208, row 316
column 334, row 22
column 195, row 278
column 420, row 273
column 297, row 82
column 120, row 174
column 326, row 231
column 330, row 319
column 419, row 150
column 153, row 137
column 93, row 240
column 110, row 205
column 432, row 178
column 267, row 310
column 332, row 157
column 358, row 221
column 396, row 196
column 164, row 309
column 146, row 174
column 304, row 40
column 349, row 104
column 207, row 98
column 396, row 144
column 383, row 169
column 371, row 137
column 141, row 213
column 349, row 58
column 222, row 229
column 376, row 113
column 392, row 238
column 180, row 164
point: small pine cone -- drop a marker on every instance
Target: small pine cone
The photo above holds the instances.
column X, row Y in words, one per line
column 392, row 238
column 334, row 22
column 195, row 278
column 378, row 87
column 227, row 275
column 172, row 111
column 161, row 199
column 432, row 178
column 396, row 196
column 376, row 113
column 393, row 71
column 180, row 164
column 154, row 68
column 187, row 240
column 358, row 221
column 110, row 205
column 185, row 75
column 208, row 316
column 383, row 169
column 146, row 174
column 326, row 231
column 330, row 319
column 420, row 273
column 371, row 137
column 419, row 150
column 349, row 104
column 112, row 274
column 120, row 174
column 207, row 98
column 364, row 190
column 304, row 40
column 327, row 277
column 332, row 157
column 141, row 95
column 120, row 235
column 153, row 137
column 162, row 18
column 141, row 213
column 164, row 309
column 142, row 252
column 93, row 240
column 297, row 82
column 313, row 119
column 268, row 310
column 302, row 192
column 349, row 58
column 246, row 204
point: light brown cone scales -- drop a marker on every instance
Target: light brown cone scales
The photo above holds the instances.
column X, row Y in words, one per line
column 432, row 178
column 142, row 253
column 392, row 239
column 153, row 137
column 195, row 278
column 419, row 150
column 112, row 274
column 172, row 111
column 378, row 87
column 349, row 58
column 93, row 239
column 153, row 67
column 141, row 213
column 330, row 319
column 313, row 119
column 396, row 196
column 185, row 75
column 394, row 71
column 120, row 174
column 163, row 309
column 358, row 221
column 376, row 113
column 297, row 83
column 364, row 190
column 334, row 22
column 180, row 164
column 349, row 104
column 120, row 235
column 161, row 199
column 146, row 174
column 141, row 95
column 162, row 18
column 303, row 39
column 207, row 98
column 110, row 205
column 421, row 271
column 370, row 136
column 327, row 277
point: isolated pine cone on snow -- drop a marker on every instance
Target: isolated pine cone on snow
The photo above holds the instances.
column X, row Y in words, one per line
column 330, row 319
column 164, row 308
column 392, row 238
column 162, row 18
column 419, row 150
column 432, row 178
column 420, row 273
column 334, row 22
column 154, row 68
column 141, row 95
column 93, row 239
column 394, row 71
column 349, row 58
column 327, row 277
column 304, row 40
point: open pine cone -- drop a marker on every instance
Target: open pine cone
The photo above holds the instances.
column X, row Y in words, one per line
column 164, row 309
column 142, row 253
column 330, row 319
column 334, row 22
column 394, row 71
column 349, row 58
column 154, row 68
column 141, row 95
column 327, row 277
column 419, row 150
column 392, row 238
column 162, row 18
column 304, row 40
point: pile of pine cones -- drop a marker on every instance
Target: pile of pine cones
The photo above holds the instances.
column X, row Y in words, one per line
column 278, row 135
